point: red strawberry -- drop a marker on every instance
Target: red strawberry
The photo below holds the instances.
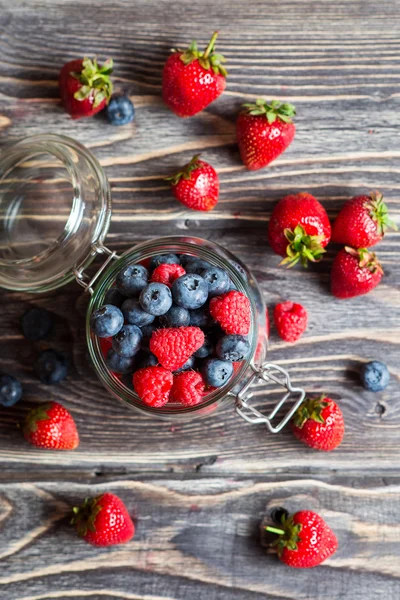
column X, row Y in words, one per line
column 196, row 186
column 103, row 521
column 362, row 222
column 51, row 426
column 354, row 272
column 153, row 385
column 85, row 87
column 232, row 311
column 290, row 320
column 188, row 388
column 167, row 274
column 173, row 346
column 305, row 540
column 299, row 229
column 193, row 79
column 319, row 423
column 264, row 131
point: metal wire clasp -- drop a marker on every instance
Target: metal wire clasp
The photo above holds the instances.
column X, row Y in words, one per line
column 268, row 372
column 79, row 272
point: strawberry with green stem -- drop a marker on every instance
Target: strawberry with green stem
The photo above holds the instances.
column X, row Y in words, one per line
column 196, row 185
column 355, row 272
column 319, row 423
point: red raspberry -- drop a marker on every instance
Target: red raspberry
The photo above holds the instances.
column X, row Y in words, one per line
column 188, row 388
column 173, row 346
column 232, row 312
column 105, row 345
column 167, row 274
column 290, row 320
column 153, row 385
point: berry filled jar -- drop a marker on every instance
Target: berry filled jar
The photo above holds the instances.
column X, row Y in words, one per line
column 55, row 210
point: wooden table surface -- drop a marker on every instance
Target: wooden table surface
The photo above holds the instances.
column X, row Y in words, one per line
column 200, row 490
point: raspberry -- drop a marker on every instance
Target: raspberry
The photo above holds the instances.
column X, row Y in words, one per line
column 153, row 385
column 167, row 274
column 175, row 345
column 105, row 345
column 290, row 320
column 188, row 388
column 232, row 312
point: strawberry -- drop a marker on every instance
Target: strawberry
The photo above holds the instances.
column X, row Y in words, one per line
column 51, row 426
column 264, row 131
column 362, row 222
column 103, row 521
column 196, row 185
column 290, row 320
column 305, row 540
column 299, row 229
column 354, row 272
column 85, row 86
column 319, row 423
column 193, row 79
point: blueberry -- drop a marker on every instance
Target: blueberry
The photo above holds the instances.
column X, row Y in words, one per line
column 177, row 316
column 114, row 297
column 156, row 298
column 205, row 350
column 36, row 324
column 126, row 379
column 119, row 364
column 189, row 364
column 147, row 332
column 146, row 359
column 51, row 367
column 190, row 291
column 164, row 259
column 120, row 110
column 197, row 266
column 232, row 286
column 127, row 341
column 10, row 390
column 132, row 279
column 134, row 313
column 233, row 348
column 217, row 280
column 106, row 321
column 375, row 376
column 200, row 317
column 217, row 372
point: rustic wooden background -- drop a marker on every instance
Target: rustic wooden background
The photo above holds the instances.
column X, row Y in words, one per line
column 200, row 490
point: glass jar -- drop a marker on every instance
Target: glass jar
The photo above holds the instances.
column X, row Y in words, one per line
column 55, row 210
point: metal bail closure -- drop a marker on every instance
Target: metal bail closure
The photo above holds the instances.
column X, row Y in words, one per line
column 84, row 280
column 268, row 372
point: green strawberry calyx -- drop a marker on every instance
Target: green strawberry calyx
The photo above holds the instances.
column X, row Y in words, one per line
column 288, row 534
column 366, row 259
column 271, row 110
column 34, row 416
column 378, row 211
column 96, row 82
column 185, row 172
column 310, row 409
column 302, row 247
column 84, row 516
column 207, row 59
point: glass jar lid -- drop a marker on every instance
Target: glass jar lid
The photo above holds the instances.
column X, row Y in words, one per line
column 55, row 211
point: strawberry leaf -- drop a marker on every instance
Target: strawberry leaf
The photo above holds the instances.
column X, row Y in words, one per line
column 207, row 58
column 186, row 171
column 95, row 81
column 271, row 111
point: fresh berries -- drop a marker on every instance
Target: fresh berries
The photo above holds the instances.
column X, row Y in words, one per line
column 36, row 324
column 217, row 372
column 106, row 321
column 51, row 426
column 232, row 312
column 119, row 364
column 299, row 229
column 362, row 222
column 156, row 299
column 103, row 521
column 188, row 365
column 114, row 297
column 196, row 185
column 305, row 540
column 217, row 280
column 10, row 390
column 164, row 259
column 354, row 272
column 120, row 110
column 167, row 274
column 196, row 265
column 188, row 388
column 177, row 316
column 132, row 279
column 205, row 350
column 127, row 341
column 200, row 317
column 290, row 320
column 85, row 86
column 153, row 385
column 264, row 130
column 375, row 376
column 175, row 345
column 134, row 313
column 190, row 291
column 318, row 423
column 193, row 79
column 233, row 348
column 51, row 367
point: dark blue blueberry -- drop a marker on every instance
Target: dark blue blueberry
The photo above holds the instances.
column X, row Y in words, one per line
column 120, row 110
column 51, row 367
column 190, row 291
column 127, row 341
column 114, row 297
column 197, row 266
column 36, row 324
column 134, row 313
column 200, row 317
column 10, row 390
column 217, row 280
column 146, row 359
column 233, row 348
column 132, row 279
column 106, row 321
column 164, row 259
column 375, row 376
column 126, row 379
column 241, row 270
column 217, row 372
column 147, row 332
column 156, row 299
column 205, row 350
column 119, row 364
column 189, row 364
column 177, row 316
